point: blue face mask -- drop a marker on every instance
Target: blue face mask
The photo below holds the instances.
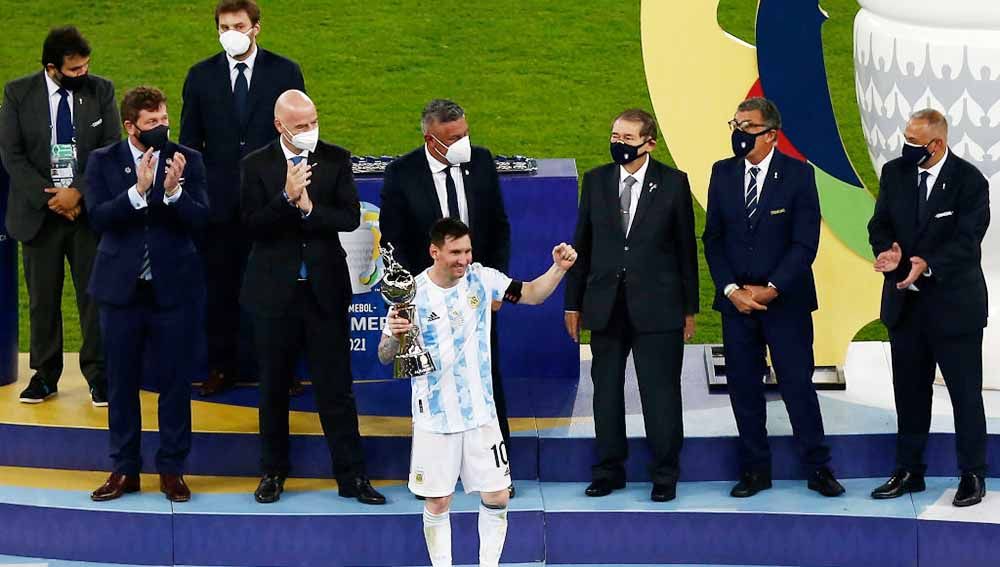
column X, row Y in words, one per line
column 915, row 155
column 623, row 153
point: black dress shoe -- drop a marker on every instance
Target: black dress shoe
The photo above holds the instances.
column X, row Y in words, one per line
column 822, row 481
column 971, row 490
column 270, row 488
column 603, row 487
column 361, row 489
column 751, row 483
column 901, row 482
column 663, row 492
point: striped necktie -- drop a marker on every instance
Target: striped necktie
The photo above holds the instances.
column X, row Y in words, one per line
column 751, row 195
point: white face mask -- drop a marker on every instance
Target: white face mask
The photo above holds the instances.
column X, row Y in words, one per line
column 235, row 43
column 304, row 140
column 458, row 153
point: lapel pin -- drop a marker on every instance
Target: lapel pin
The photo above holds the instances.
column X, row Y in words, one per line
column 651, row 186
column 775, row 175
column 467, row 172
column 944, row 185
column 128, row 170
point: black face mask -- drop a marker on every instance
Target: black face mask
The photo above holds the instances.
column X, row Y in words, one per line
column 154, row 138
column 915, row 155
column 743, row 142
column 623, row 153
column 73, row 83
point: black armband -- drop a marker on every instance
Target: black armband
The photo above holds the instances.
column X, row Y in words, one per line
column 513, row 293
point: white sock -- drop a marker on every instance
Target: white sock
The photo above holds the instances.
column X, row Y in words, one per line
column 492, row 533
column 437, row 534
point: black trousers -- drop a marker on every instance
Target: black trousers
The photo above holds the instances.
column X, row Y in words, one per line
column 499, row 398
column 658, row 358
column 224, row 249
column 915, row 351
column 324, row 338
column 57, row 242
column 789, row 338
column 166, row 335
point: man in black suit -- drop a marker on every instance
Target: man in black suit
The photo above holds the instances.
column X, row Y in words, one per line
column 297, row 195
column 146, row 198
column 448, row 177
column 761, row 236
column 635, row 286
column 930, row 218
column 228, row 104
column 67, row 112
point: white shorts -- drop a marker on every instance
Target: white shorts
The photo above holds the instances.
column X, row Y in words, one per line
column 477, row 456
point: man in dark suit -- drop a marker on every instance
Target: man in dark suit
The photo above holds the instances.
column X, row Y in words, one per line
column 635, row 286
column 448, row 177
column 761, row 236
column 297, row 195
column 228, row 105
column 930, row 218
column 49, row 124
column 146, row 198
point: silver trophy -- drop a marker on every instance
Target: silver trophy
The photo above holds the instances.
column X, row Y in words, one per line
column 398, row 290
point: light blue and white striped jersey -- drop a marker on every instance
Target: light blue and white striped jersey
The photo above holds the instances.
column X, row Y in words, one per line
column 455, row 329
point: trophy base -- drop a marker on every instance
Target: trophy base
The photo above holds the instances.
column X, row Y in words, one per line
column 413, row 364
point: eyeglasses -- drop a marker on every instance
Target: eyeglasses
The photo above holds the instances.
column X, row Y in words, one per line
column 734, row 125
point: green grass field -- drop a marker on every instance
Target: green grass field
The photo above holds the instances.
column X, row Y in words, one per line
column 539, row 79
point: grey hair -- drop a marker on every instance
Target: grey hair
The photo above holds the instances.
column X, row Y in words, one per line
column 768, row 111
column 935, row 120
column 440, row 110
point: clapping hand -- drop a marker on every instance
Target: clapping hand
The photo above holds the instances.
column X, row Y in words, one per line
column 297, row 179
column 889, row 260
column 145, row 172
column 175, row 172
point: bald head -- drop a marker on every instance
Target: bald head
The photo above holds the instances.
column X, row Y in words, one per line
column 930, row 122
column 294, row 112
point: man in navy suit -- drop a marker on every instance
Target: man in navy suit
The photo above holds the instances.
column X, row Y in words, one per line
column 146, row 198
column 228, row 113
column 930, row 218
column 761, row 236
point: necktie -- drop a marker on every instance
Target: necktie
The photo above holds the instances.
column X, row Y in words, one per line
column 241, row 90
column 751, row 197
column 449, row 185
column 625, row 201
column 64, row 119
column 922, row 198
column 303, row 272
column 146, row 267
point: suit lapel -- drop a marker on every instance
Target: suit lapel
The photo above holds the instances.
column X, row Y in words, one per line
column 40, row 107
column 259, row 72
column 647, row 193
column 937, row 192
column 769, row 186
column 224, row 86
column 612, row 184
column 127, row 163
column 470, row 191
column 427, row 187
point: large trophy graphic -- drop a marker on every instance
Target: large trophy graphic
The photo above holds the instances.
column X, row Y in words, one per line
column 398, row 290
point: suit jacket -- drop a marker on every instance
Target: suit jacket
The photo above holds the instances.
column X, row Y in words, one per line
column 948, row 237
column 778, row 246
column 26, row 143
column 210, row 125
column 410, row 206
column 125, row 231
column 658, row 260
column 283, row 239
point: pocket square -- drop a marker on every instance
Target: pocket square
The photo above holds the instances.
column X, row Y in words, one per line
column 98, row 123
column 944, row 214
column 778, row 212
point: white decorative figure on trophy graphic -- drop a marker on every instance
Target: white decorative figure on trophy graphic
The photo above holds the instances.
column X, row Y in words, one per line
column 362, row 249
column 942, row 55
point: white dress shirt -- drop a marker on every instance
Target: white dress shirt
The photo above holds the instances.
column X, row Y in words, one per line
column 933, row 172
column 640, row 177
column 763, row 166
column 139, row 201
column 248, row 71
column 54, row 99
column 438, row 172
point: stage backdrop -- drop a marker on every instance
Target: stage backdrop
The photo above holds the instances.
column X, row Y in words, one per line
column 533, row 341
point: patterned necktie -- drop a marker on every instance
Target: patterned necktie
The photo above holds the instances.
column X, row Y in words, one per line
column 449, row 184
column 146, row 267
column 64, row 119
column 922, row 198
column 241, row 91
column 751, row 196
column 625, row 201
column 303, row 272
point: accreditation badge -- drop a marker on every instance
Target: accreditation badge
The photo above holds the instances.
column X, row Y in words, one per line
column 63, row 164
